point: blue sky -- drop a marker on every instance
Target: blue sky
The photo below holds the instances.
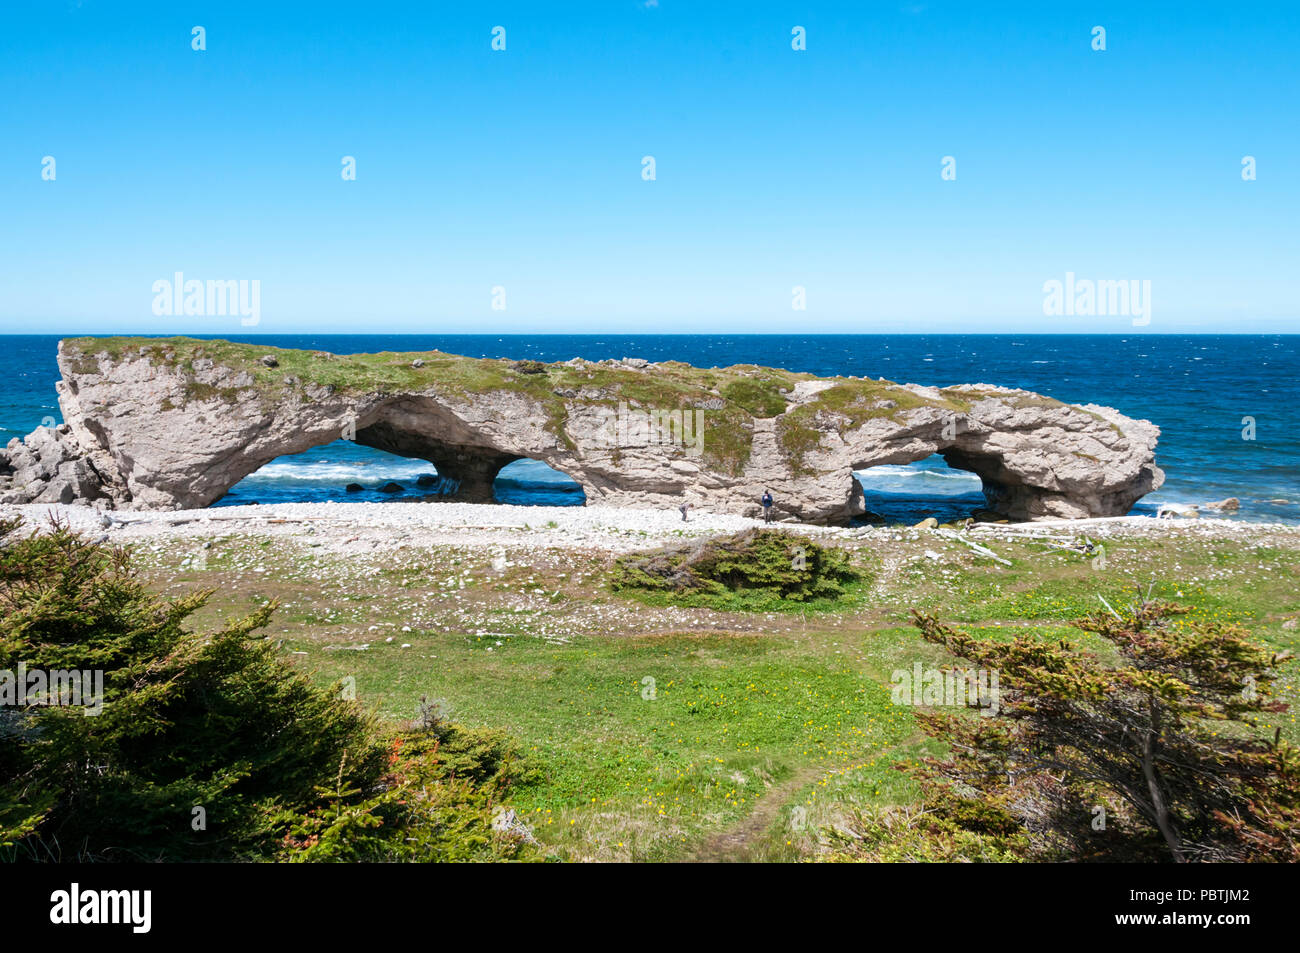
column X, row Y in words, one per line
column 775, row 168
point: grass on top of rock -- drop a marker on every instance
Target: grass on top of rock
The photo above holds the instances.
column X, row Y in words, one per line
column 847, row 406
column 731, row 398
column 755, row 571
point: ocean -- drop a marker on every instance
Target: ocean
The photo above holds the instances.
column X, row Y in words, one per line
column 1208, row 394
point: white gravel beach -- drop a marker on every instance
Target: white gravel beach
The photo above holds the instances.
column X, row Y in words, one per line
column 612, row 529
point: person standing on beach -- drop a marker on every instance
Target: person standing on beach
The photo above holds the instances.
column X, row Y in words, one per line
column 767, row 506
column 682, row 509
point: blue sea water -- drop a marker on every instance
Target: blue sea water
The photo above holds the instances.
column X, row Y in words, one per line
column 1198, row 388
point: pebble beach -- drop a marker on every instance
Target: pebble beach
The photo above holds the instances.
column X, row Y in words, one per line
column 612, row 529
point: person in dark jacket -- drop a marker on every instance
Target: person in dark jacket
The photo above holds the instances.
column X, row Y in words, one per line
column 767, row 506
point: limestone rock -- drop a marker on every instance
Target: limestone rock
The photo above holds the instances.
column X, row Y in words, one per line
column 48, row 466
column 166, row 424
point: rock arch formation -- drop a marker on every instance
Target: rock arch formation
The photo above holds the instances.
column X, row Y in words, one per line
column 175, row 422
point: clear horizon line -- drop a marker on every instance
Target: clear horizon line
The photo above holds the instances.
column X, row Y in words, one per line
column 487, row 334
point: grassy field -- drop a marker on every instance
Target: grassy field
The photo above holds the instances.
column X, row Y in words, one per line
column 665, row 733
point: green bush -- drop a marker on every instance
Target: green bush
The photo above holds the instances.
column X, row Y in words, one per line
column 1165, row 737
column 221, row 722
column 756, row 570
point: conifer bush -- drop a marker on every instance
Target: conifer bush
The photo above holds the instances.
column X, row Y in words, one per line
column 1154, row 753
column 754, row 569
column 210, row 746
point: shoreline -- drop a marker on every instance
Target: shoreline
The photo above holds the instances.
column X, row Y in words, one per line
column 607, row 528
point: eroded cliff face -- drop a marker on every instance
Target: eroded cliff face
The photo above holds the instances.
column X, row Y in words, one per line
column 175, row 423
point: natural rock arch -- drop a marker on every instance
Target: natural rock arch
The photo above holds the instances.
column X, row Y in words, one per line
column 176, row 422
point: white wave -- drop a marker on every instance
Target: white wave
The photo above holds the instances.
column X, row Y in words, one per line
column 331, row 473
column 893, row 472
column 324, row 472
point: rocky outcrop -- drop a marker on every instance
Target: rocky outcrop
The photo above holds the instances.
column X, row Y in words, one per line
column 175, row 423
column 49, row 466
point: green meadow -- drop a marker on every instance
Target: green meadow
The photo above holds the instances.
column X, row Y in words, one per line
column 668, row 733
